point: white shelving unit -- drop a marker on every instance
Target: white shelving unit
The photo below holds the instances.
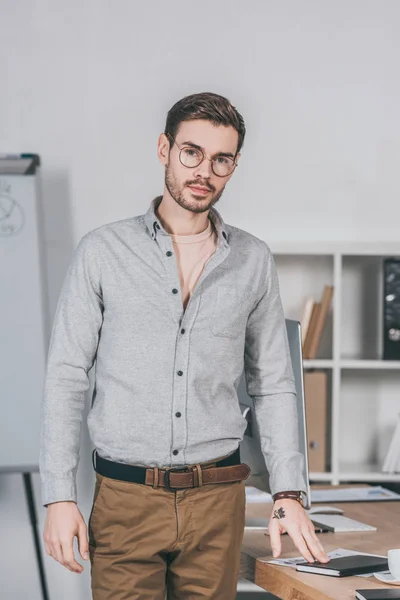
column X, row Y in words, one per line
column 363, row 390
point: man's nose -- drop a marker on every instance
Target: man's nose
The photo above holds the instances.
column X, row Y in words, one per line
column 203, row 169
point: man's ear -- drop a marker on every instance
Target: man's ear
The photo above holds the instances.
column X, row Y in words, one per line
column 163, row 149
column 233, row 172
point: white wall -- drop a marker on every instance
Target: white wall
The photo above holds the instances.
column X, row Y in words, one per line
column 87, row 84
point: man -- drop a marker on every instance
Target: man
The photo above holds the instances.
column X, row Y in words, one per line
column 172, row 305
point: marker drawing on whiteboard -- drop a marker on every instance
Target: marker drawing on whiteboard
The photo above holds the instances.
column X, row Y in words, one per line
column 12, row 218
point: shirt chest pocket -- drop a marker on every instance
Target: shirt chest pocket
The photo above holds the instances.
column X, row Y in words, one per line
column 230, row 310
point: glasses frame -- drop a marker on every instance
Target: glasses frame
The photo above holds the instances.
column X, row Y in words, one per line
column 235, row 165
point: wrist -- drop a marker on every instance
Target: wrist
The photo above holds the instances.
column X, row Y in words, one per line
column 289, row 495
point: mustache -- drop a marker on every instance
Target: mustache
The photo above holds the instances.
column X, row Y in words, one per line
column 202, row 184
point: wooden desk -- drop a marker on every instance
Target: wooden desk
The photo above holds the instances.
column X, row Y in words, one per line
column 289, row 584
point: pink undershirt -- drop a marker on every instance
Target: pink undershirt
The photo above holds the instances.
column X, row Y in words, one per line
column 192, row 252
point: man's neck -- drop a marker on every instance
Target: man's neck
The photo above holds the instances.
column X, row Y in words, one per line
column 180, row 221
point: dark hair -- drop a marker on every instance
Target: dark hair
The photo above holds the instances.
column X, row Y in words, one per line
column 207, row 106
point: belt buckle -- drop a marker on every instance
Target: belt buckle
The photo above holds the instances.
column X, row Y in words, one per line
column 167, row 482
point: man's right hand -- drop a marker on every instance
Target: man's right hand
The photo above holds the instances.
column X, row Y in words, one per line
column 64, row 521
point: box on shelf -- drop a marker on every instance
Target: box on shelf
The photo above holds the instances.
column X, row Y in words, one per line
column 315, row 390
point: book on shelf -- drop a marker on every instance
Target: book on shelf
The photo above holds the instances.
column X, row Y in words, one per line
column 316, row 322
column 311, row 328
column 392, row 461
column 320, row 321
column 306, row 318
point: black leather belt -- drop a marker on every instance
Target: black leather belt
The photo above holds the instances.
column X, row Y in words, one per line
column 138, row 474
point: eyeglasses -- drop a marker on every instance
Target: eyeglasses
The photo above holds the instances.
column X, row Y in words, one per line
column 190, row 157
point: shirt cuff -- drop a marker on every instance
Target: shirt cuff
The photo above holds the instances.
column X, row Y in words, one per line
column 59, row 490
column 287, row 473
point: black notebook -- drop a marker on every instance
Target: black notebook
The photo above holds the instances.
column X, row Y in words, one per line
column 356, row 564
column 386, row 594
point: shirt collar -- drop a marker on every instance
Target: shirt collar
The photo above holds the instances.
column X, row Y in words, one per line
column 155, row 226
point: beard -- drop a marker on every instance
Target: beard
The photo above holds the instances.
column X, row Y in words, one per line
column 195, row 205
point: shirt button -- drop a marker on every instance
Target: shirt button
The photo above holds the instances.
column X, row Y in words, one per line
column 182, row 330
column 180, row 372
column 178, row 414
column 169, row 253
column 174, row 291
column 175, row 452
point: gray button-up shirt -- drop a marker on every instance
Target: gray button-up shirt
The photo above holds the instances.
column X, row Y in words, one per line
column 166, row 378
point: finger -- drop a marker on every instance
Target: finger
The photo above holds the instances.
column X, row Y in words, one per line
column 56, row 552
column 275, row 537
column 318, row 541
column 315, row 546
column 83, row 542
column 47, row 548
column 69, row 558
column 301, row 545
column 313, row 534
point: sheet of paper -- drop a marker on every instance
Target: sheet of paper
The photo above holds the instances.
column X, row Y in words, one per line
column 355, row 494
column 338, row 553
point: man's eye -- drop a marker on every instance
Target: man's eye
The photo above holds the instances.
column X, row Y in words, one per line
column 191, row 152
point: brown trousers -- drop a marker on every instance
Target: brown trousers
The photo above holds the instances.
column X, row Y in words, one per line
column 148, row 544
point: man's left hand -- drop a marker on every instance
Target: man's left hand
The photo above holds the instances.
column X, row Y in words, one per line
column 291, row 517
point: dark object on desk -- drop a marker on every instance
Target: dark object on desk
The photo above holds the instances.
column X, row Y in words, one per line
column 357, row 564
column 262, row 523
column 386, row 594
column 316, row 530
column 391, row 309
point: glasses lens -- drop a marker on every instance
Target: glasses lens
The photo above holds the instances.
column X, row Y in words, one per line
column 223, row 166
column 190, row 157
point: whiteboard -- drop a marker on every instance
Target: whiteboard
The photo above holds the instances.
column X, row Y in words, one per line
column 23, row 306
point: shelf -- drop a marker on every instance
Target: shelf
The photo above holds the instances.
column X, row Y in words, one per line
column 372, row 476
column 351, row 363
column 365, row 472
column 304, row 248
column 318, row 363
column 369, row 364
column 325, row 476
column 362, row 388
column 244, row 585
column 324, row 248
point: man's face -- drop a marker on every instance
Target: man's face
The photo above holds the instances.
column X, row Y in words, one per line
column 181, row 181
